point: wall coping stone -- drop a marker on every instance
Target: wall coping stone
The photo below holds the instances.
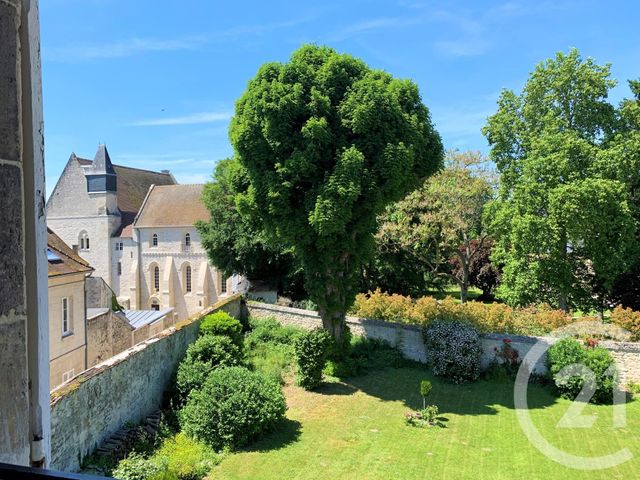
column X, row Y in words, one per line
column 66, row 388
column 630, row 347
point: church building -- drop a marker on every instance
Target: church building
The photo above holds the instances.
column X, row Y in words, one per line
column 136, row 229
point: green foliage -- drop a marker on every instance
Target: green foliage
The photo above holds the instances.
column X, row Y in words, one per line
column 233, row 407
column 365, row 355
column 327, row 143
column 269, row 330
column 137, row 467
column 429, row 226
column 186, row 458
column 425, row 387
column 562, row 221
column 311, row 350
column 234, row 242
column 453, row 350
column 574, row 367
column 221, row 323
column 427, row 417
column 206, row 354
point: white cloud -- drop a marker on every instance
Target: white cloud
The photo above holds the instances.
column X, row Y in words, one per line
column 123, row 48
column 190, row 178
column 133, row 46
column 192, row 119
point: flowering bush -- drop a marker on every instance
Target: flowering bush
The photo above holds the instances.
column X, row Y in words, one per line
column 627, row 319
column 453, row 350
column 426, row 417
column 492, row 317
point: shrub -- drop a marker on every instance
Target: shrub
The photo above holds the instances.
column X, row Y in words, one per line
column 137, row 467
column 627, row 319
column 311, row 349
column 426, row 417
column 233, row 407
column 492, row 317
column 203, row 356
column 271, row 359
column 187, row 458
column 269, row 330
column 221, row 323
column 567, row 359
column 453, row 350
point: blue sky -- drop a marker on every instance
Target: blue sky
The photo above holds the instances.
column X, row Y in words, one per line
column 157, row 80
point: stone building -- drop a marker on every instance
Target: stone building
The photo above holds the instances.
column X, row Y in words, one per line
column 172, row 269
column 67, row 311
column 136, row 229
column 94, row 204
column 84, row 330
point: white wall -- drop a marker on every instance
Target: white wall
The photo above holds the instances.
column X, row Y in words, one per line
column 172, row 259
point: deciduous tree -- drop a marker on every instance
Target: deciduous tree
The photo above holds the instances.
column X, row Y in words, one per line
column 562, row 226
column 327, row 143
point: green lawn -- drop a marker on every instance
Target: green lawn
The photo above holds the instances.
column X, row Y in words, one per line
column 355, row 430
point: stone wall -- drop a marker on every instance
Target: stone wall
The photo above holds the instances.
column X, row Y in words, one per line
column 409, row 338
column 127, row 387
column 24, row 350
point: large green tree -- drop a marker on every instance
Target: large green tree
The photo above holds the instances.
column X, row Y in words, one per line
column 235, row 242
column 564, row 227
column 441, row 220
column 327, row 143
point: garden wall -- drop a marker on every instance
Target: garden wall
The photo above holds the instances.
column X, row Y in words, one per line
column 409, row 338
column 127, row 387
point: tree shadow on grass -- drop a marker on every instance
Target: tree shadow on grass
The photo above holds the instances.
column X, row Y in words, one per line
column 287, row 432
column 482, row 397
column 336, row 388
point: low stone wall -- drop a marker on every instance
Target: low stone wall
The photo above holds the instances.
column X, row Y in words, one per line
column 127, row 387
column 409, row 338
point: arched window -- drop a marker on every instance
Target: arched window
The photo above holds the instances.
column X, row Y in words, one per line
column 83, row 240
column 155, row 278
column 223, row 284
column 187, row 240
column 187, row 279
column 154, row 240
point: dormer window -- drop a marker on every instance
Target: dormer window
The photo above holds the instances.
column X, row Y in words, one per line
column 187, row 242
column 154, row 240
column 83, row 240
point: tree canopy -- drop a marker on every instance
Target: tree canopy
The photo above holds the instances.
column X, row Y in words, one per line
column 327, row 143
column 234, row 242
column 441, row 220
column 563, row 224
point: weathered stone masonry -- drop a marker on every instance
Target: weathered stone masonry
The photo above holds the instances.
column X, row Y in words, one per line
column 24, row 415
column 409, row 338
column 127, row 387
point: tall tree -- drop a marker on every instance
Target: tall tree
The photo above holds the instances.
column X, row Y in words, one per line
column 441, row 220
column 233, row 241
column 327, row 143
column 561, row 225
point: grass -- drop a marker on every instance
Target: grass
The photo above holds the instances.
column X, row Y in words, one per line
column 355, row 430
column 454, row 291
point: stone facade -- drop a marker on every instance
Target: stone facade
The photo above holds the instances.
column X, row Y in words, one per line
column 409, row 338
column 172, row 260
column 24, row 342
column 127, row 387
column 67, row 351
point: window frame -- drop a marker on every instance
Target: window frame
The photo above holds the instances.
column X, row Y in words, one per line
column 154, row 240
column 187, row 279
column 156, row 278
column 66, row 316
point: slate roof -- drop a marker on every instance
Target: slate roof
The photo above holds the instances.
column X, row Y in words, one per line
column 140, row 318
column 132, row 186
column 61, row 258
column 172, row 206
